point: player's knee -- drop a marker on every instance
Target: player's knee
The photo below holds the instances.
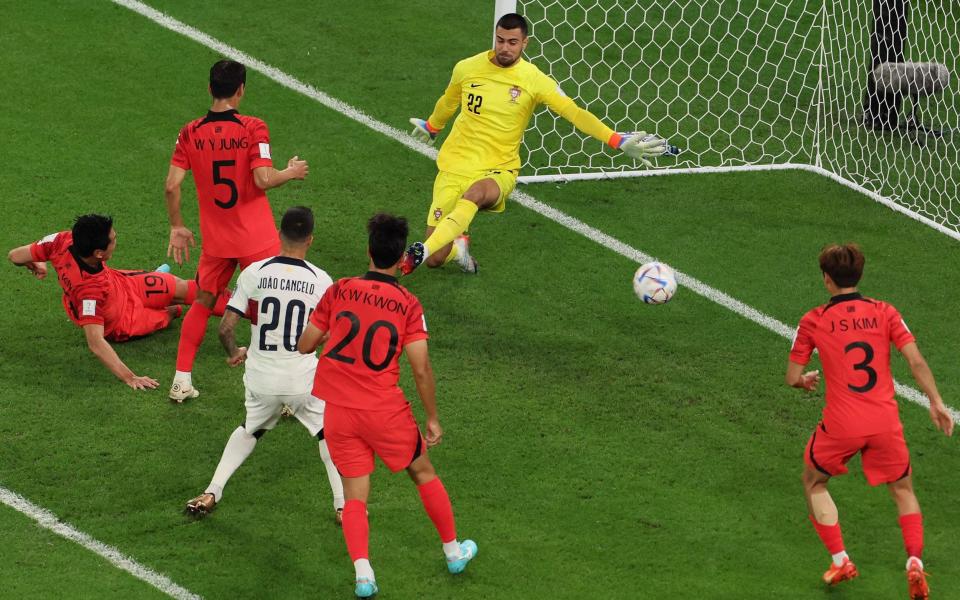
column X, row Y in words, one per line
column 206, row 298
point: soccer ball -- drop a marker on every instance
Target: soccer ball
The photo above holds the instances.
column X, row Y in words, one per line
column 654, row 283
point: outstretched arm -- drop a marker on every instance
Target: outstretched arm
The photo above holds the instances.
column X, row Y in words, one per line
column 108, row 356
column 924, row 377
column 443, row 110
column 22, row 257
column 635, row 145
column 426, row 387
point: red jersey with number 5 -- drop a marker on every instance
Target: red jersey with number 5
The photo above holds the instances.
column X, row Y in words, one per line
column 222, row 149
column 370, row 320
column 853, row 335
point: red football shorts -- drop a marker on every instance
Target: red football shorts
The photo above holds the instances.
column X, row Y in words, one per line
column 214, row 273
column 884, row 456
column 155, row 290
column 354, row 436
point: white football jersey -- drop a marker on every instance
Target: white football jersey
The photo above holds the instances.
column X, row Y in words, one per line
column 277, row 295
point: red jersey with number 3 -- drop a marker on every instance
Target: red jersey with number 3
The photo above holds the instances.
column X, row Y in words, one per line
column 91, row 295
column 370, row 320
column 222, row 149
column 853, row 335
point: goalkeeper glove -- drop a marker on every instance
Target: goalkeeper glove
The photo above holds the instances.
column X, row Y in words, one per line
column 640, row 146
column 423, row 131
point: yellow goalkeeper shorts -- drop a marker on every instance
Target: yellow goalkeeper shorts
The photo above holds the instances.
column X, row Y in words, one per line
column 448, row 188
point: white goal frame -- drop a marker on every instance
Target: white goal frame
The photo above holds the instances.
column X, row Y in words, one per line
column 502, row 7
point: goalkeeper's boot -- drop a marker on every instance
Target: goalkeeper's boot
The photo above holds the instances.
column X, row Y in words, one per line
column 917, row 580
column 202, row 505
column 468, row 264
column 468, row 550
column 845, row 571
column 182, row 390
column 366, row 587
column 413, row 258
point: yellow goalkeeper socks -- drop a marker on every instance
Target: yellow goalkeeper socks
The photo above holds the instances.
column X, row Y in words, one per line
column 453, row 225
column 452, row 255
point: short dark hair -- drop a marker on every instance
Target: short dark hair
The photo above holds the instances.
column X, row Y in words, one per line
column 843, row 263
column 513, row 21
column 297, row 224
column 387, row 240
column 91, row 233
column 226, row 77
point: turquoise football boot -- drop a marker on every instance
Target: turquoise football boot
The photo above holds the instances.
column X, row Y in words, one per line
column 468, row 550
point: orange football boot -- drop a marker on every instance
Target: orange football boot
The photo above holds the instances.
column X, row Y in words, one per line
column 835, row 574
column 917, row 580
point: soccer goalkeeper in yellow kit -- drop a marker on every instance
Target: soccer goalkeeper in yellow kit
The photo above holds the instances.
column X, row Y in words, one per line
column 496, row 92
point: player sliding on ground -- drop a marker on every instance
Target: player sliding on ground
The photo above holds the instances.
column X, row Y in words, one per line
column 496, row 92
column 853, row 335
column 110, row 305
column 279, row 294
column 370, row 321
column 229, row 155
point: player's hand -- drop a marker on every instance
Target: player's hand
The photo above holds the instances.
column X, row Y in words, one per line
column 422, row 131
column 298, row 168
column 237, row 359
column 640, row 146
column 181, row 239
column 810, row 380
column 39, row 269
column 941, row 417
column 139, row 382
column 434, row 433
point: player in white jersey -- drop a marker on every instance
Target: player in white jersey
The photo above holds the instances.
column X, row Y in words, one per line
column 277, row 295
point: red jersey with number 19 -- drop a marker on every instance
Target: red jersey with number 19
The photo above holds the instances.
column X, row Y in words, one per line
column 222, row 149
column 853, row 335
column 370, row 320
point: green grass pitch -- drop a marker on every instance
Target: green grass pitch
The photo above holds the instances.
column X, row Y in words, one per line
column 596, row 447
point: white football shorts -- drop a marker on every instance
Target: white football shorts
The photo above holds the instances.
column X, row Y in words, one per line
column 263, row 411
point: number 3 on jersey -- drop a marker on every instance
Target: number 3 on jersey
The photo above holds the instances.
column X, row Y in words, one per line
column 864, row 366
column 336, row 353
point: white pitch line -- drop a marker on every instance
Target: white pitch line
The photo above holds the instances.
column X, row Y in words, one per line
column 522, row 198
column 48, row 520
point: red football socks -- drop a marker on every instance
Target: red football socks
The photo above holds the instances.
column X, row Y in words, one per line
column 356, row 529
column 221, row 306
column 191, row 335
column 912, row 527
column 437, row 503
column 830, row 536
column 191, row 292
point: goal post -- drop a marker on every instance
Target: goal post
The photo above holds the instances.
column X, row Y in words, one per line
column 757, row 85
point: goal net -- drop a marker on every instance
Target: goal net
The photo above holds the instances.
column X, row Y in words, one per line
column 754, row 85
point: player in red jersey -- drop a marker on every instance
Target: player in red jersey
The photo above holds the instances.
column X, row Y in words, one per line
column 110, row 305
column 853, row 335
column 229, row 155
column 367, row 322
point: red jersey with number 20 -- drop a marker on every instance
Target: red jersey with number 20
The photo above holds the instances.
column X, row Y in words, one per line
column 370, row 320
column 222, row 149
column 853, row 335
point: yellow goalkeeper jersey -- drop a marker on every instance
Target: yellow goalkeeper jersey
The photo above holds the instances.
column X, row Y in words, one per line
column 496, row 104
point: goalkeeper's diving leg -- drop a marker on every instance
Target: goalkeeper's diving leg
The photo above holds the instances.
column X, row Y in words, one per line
column 445, row 242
